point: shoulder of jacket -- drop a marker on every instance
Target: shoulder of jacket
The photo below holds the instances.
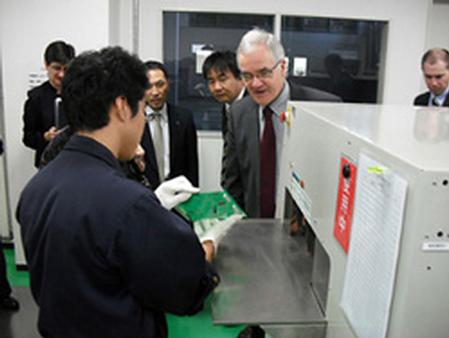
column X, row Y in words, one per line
column 39, row 90
column 179, row 112
column 422, row 98
column 243, row 104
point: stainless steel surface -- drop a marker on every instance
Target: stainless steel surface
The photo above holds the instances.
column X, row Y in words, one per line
column 265, row 277
column 320, row 274
column 295, row 331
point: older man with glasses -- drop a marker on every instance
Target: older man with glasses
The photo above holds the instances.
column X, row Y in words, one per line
column 255, row 130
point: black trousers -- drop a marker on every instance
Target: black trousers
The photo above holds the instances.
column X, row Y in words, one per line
column 5, row 288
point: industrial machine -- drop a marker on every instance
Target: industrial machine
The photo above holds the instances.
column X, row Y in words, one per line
column 372, row 185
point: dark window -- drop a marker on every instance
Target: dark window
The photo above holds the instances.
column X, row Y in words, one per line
column 187, row 32
column 335, row 55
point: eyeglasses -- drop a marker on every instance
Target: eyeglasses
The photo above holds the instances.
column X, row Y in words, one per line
column 263, row 74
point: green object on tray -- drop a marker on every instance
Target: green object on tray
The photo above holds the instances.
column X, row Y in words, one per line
column 211, row 205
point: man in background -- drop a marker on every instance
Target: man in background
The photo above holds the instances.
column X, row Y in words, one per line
column 435, row 68
column 222, row 74
column 169, row 137
column 255, row 130
column 43, row 116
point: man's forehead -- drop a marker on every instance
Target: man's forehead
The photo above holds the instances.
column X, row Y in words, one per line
column 57, row 64
column 216, row 72
column 436, row 65
column 259, row 56
column 156, row 75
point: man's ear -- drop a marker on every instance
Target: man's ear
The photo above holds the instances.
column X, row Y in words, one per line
column 121, row 108
column 283, row 65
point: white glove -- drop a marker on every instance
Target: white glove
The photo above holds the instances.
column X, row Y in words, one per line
column 172, row 192
column 219, row 230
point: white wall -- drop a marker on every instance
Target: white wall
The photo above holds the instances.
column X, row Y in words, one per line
column 210, row 146
column 27, row 26
column 437, row 34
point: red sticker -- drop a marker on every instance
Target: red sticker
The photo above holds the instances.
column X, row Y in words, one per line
column 345, row 202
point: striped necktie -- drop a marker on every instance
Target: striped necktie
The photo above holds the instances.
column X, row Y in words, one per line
column 435, row 102
column 158, row 143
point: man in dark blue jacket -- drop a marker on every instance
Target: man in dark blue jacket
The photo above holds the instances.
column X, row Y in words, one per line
column 105, row 258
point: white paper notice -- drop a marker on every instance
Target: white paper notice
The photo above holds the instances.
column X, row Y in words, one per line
column 36, row 78
column 299, row 66
column 201, row 56
column 373, row 253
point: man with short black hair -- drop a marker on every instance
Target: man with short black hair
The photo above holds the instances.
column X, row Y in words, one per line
column 42, row 114
column 105, row 258
column 435, row 68
column 222, row 74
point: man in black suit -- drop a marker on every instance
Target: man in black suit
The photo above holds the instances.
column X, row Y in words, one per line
column 435, row 68
column 255, row 129
column 222, row 74
column 41, row 118
column 169, row 138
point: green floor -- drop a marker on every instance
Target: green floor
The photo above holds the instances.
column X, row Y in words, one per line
column 198, row 326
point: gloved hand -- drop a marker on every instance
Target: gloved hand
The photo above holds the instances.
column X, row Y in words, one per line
column 172, row 192
column 219, row 230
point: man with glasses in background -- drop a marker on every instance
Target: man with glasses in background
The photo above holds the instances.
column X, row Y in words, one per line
column 255, row 130
column 43, row 117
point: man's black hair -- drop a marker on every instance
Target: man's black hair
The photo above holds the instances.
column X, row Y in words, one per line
column 154, row 65
column 94, row 80
column 221, row 62
column 60, row 52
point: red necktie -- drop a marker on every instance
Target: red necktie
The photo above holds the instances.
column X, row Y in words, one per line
column 267, row 167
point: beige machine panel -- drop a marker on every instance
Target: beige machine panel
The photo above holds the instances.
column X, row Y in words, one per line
column 412, row 145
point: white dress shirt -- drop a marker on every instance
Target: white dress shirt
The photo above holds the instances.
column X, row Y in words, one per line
column 165, row 132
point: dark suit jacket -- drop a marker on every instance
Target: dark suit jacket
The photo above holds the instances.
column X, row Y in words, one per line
column 423, row 100
column 183, row 148
column 38, row 117
column 242, row 163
